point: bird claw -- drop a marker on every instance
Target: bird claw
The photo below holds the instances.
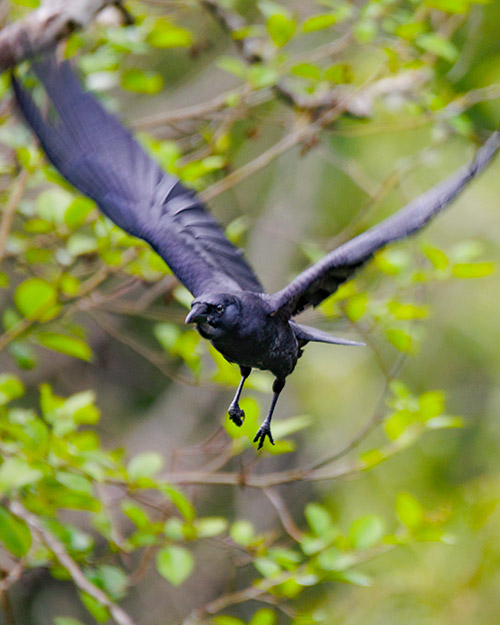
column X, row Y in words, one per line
column 264, row 430
column 236, row 414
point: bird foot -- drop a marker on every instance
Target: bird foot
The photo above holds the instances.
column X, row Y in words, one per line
column 236, row 414
column 264, row 430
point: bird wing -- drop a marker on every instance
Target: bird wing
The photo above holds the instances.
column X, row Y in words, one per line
column 97, row 155
column 322, row 279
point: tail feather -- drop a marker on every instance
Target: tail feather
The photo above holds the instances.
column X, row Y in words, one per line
column 306, row 334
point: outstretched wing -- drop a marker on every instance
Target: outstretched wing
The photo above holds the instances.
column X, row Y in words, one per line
column 97, row 155
column 322, row 279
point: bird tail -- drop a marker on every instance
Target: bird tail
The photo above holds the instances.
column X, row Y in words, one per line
column 306, row 334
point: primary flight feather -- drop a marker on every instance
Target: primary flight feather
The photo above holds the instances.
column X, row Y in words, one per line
column 249, row 327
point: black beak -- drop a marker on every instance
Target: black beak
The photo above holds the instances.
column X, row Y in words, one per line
column 198, row 313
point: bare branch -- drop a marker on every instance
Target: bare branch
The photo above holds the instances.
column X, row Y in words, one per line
column 283, row 513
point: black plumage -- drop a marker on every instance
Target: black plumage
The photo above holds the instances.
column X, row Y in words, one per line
column 249, row 327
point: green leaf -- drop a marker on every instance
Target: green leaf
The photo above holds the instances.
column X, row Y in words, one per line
column 65, row 344
column 319, row 22
column 23, row 355
column 66, row 414
column 340, row 73
column 453, row 6
column 210, row 526
column 366, row 531
column 98, row 611
column 444, row 421
column 356, row 306
column 396, row 424
column 473, row 270
column 404, row 311
column 36, row 298
column 431, row 404
column 307, row 70
column 287, row 558
column 51, row 205
column 281, row 28
column 267, row 567
column 111, row 579
column 409, row 510
column 365, row 31
column 77, row 212
column 180, row 501
column 142, row 81
column 75, row 482
column 242, row 532
column 264, row 616
column 135, row 513
column 79, row 244
column 16, row 473
column 14, row 534
column 260, row 76
column 164, row 34
column 392, row 261
column 11, row 388
column 175, row 564
column 332, row 559
column 146, row 464
column 437, row 257
column 401, row 340
column 438, row 45
column 318, row 518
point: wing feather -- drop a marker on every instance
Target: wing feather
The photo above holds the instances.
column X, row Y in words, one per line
column 322, row 279
column 97, row 155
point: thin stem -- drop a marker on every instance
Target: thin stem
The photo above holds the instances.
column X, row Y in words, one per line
column 10, row 210
column 119, row 616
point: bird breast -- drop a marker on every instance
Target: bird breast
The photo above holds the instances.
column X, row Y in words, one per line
column 270, row 345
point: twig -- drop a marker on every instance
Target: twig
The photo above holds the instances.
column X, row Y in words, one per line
column 6, row 605
column 156, row 359
column 264, row 585
column 12, row 576
column 117, row 613
column 10, row 210
column 191, row 112
column 283, row 513
column 10, row 335
column 369, row 426
column 104, row 271
column 263, row 160
column 266, row 480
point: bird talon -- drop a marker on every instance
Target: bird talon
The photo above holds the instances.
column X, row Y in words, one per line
column 261, row 436
column 237, row 415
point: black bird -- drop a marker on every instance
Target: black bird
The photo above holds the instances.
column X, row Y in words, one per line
column 249, row 327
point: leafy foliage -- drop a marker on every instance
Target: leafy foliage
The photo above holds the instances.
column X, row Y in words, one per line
column 110, row 520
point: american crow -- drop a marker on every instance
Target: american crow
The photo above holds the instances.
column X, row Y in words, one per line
column 248, row 326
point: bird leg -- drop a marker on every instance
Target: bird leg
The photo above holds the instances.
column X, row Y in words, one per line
column 236, row 414
column 265, row 428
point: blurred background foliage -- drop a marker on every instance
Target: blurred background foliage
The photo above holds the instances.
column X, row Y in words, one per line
column 123, row 482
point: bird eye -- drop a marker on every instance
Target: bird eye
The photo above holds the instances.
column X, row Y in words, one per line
column 219, row 308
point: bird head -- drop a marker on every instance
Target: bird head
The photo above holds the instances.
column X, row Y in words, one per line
column 215, row 314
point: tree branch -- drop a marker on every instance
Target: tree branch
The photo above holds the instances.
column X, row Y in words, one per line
column 43, row 28
column 119, row 616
